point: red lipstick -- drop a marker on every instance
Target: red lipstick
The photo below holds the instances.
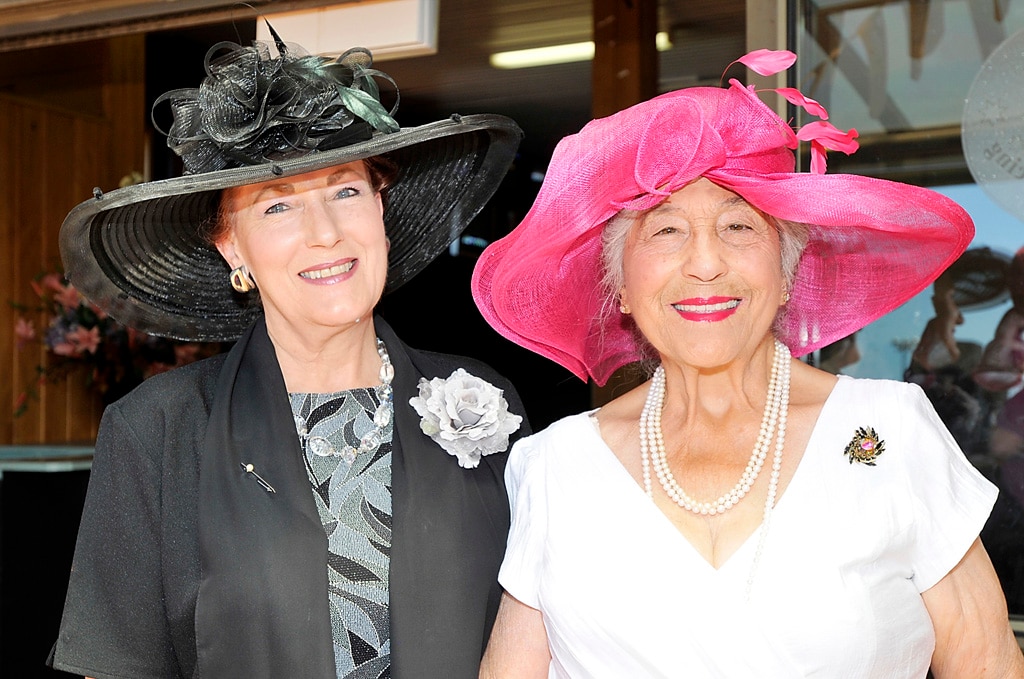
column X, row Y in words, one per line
column 706, row 309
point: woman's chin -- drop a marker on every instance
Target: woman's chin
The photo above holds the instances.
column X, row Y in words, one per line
column 707, row 349
column 319, row 320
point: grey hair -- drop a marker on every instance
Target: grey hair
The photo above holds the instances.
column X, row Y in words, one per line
column 793, row 238
column 613, row 251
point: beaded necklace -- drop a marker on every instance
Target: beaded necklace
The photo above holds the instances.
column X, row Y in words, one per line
column 321, row 446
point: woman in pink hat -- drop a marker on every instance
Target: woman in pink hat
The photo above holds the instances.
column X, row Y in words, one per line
column 740, row 514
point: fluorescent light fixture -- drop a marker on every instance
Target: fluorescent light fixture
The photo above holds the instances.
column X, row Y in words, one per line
column 390, row 29
column 559, row 54
column 544, row 56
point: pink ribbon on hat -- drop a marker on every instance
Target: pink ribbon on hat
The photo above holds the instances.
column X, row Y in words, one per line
column 667, row 160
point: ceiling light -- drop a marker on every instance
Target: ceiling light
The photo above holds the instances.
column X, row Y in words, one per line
column 559, row 54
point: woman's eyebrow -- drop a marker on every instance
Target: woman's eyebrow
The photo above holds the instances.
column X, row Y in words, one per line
column 279, row 189
column 342, row 175
column 736, row 200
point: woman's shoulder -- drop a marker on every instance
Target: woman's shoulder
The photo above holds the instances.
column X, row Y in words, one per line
column 567, row 434
column 179, row 389
column 898, row 412
column 163, row 419
column 552, row 447
column 876, row 391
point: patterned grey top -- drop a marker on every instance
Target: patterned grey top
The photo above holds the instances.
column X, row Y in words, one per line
column 354, row 501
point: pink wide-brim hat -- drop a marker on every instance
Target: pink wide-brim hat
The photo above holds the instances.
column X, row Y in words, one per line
column 873, row 243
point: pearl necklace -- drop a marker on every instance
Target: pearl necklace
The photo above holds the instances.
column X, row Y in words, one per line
column 652, row 445
column 319, row 445
column 778, row 396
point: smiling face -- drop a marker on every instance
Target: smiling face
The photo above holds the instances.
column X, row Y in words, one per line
column 314, row 244
column 702, row 276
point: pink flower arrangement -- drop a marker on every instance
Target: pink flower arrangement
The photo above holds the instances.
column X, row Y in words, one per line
column 80, row 336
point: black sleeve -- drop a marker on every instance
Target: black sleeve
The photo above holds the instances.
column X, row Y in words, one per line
column 515, row 405
column 114, row 622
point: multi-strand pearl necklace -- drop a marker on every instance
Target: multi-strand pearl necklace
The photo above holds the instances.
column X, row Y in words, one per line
column 319, row 445
column 773, row 425
column 652, row 445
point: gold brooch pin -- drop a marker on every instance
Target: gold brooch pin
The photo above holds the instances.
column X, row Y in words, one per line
column 865, row 447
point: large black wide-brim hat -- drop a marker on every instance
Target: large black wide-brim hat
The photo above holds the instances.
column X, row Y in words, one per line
column 140, row 252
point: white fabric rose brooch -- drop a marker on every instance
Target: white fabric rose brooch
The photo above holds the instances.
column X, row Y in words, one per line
column 465, row 415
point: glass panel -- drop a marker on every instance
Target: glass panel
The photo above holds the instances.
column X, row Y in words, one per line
column 885, row 347
column 900, row 73
column 896, row 66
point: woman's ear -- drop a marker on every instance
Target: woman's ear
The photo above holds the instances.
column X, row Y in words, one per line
column 224, row 230
column 380, row 206
column 228, row 250
column 623, row 303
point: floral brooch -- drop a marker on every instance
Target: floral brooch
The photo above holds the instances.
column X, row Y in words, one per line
column 465, row 415
column 865, row 447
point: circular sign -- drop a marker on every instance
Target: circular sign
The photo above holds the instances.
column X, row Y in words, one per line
column 993, row 125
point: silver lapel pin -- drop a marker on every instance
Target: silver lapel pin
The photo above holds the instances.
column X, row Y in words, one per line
column 249, row 469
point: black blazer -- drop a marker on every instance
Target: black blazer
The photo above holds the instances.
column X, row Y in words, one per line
column 186, row 566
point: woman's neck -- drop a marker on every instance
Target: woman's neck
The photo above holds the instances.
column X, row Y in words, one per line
column 715, row 392
column 333, row 359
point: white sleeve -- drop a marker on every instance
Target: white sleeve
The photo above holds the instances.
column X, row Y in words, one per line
column 950, row 499
column 524, row 477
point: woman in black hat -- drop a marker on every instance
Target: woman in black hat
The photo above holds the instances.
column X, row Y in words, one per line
column 322, row 500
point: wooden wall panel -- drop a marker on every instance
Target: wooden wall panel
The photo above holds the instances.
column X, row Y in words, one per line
column 50, row 206
column 53, row 158
column 41, row 192
column 625, row 66
column 26, row 152
column 92, row 167
column 124, row 95
column 7, row 315
column 68, row 76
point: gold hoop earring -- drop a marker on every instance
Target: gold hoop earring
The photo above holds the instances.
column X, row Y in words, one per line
column 241, row 279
